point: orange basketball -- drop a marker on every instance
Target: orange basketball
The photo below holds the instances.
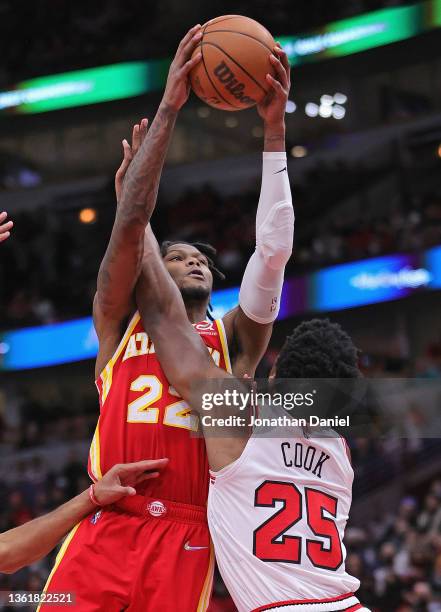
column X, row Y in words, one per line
column 235, row 60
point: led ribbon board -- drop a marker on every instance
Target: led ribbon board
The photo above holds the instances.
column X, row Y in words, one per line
column 339, row 287
column 82, row 87
column 362, row 32
column 130, row 79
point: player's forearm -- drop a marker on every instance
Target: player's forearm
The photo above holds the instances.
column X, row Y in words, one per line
column 274, row 137
column 35, row 539
column 141, row 184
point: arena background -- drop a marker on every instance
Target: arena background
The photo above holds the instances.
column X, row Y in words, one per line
column 364, row 145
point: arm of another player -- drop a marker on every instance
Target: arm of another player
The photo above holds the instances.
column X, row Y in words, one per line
column 33, row 540
column 250, row 324
column 121, row 265
column 5, row 226
column 181, row 352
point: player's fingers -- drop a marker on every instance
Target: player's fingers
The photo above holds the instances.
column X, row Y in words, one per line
column 190, row 46
column 136, row 139
column 147, row 465
column 280, row 70
column 128, row 491
column 125, row 162
column 188, row 66
column 275, row 84
column 143, row 477
column 191, row 32
column 4, row 236
column 127, row 149
column 3, row 216
column 143, row 129
column 6, row 226
column 283, row 57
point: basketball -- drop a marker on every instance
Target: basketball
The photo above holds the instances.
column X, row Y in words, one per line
column 235, row 60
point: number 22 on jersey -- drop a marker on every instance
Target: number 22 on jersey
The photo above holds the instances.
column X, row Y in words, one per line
column 143, row 410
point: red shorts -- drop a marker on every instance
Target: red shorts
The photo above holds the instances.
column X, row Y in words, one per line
column 142, row 554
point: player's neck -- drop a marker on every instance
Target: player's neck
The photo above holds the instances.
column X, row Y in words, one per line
column 196, row 310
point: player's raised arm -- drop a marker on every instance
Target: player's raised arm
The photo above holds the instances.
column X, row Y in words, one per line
column 33, row 540
column 137, row 185
column 250, row 324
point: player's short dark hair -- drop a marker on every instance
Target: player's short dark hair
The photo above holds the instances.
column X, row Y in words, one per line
column 207, row 249
column 318, row 349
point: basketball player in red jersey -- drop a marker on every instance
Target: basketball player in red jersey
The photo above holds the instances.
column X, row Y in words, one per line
column 164, row 559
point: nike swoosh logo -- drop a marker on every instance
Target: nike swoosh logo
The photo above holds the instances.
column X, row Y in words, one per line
column 188, row 547
column 279, row 171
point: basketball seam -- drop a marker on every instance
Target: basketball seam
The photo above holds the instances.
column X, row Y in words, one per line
column 220, row 21
column 237, row 64
column 212, row 84
column 242, row 34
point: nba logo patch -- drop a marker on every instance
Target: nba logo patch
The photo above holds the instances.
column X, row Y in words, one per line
column 95, row 517
column 156, row 508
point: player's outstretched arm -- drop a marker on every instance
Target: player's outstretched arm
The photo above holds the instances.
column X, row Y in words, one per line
column 180, row 350
column 33, row 540
column 250, row 324
column 121, row 265
column 5, row 226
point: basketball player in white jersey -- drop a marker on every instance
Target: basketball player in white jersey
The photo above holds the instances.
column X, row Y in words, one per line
column 277, row 507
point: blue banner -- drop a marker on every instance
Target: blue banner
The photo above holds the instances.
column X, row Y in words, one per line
column 339, row 287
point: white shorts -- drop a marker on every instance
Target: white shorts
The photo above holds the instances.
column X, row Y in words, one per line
column 344, row 603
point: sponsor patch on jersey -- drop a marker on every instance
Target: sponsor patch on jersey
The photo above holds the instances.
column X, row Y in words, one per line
column 156, row 508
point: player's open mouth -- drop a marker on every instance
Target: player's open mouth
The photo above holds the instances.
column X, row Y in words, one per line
column 196, row 274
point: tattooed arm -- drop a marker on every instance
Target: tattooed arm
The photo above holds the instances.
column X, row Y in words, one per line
column 121, row 265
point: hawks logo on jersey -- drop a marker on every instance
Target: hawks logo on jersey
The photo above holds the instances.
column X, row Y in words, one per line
column 142, row 416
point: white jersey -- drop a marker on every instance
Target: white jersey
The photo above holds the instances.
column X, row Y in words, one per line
column 277, row 517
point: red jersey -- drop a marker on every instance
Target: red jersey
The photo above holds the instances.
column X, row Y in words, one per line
column 143, row 417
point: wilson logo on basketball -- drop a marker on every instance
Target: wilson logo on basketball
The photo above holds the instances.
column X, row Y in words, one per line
column 228, row 79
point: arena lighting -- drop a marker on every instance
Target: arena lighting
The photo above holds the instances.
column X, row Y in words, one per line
column 338, row 112
column 231, row 122
column 312, row 109
column 290, row 107
column 340, row 98
column 299, row 151
column 203, row 112
column 359, row 283
column 326, row 100
column 325, row 111
column 87, row 215
column 439, row 150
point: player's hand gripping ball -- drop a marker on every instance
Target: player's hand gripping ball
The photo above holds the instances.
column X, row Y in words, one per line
column 235, row 61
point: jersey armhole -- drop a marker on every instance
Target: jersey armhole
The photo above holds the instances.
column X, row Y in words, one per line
column 229, row 470
column 224, row 343
column 133, row 322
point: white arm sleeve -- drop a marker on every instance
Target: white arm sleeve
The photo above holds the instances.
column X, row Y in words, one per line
column 262, row 282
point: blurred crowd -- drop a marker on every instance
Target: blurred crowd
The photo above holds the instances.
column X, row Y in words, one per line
column 55, row 257
column 50, row 36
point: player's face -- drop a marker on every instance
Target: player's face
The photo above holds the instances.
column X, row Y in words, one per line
column 189, row 269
